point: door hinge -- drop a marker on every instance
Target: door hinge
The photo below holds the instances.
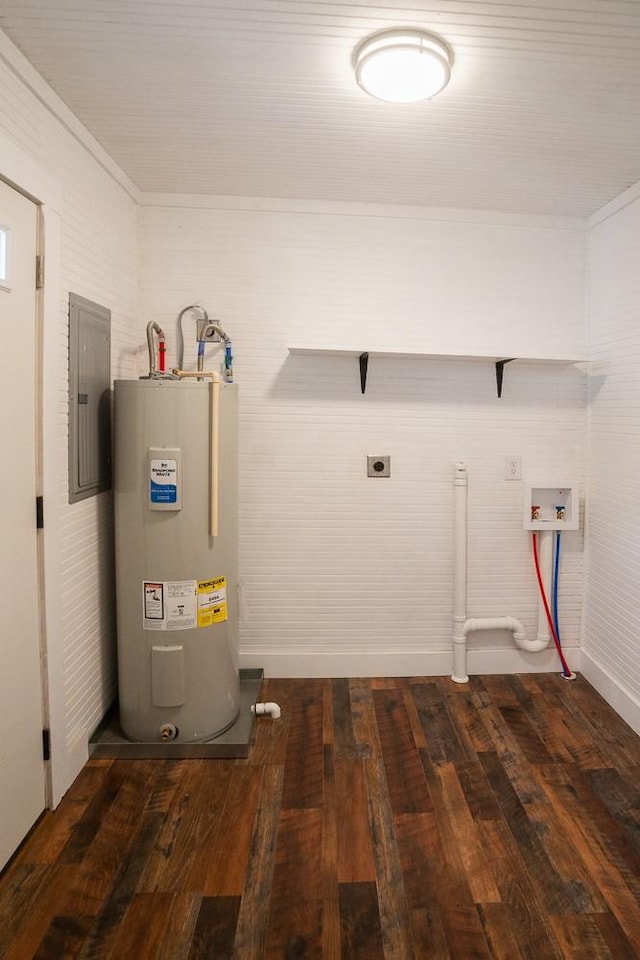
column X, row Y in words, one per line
column 39, row 271
column 39, row 513
column 46, row 745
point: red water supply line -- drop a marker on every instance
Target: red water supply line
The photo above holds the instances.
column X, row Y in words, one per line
column 565, row 666
column 161, row 353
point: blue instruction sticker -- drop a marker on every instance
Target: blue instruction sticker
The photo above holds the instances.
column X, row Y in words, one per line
column 163, row 486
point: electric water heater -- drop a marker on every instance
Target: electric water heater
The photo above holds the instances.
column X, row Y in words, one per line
column 175, row 469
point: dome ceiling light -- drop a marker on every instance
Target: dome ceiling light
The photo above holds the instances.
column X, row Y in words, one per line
column 402, row 66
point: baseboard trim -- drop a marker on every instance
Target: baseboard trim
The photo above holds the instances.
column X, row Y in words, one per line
column 616, row 695
column 432, row 663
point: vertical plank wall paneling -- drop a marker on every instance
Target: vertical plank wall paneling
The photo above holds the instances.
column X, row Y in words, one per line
column 341, row 574
column 612, row 606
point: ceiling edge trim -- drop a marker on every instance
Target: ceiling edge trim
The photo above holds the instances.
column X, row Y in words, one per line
column 624, row 199
column 352, row 209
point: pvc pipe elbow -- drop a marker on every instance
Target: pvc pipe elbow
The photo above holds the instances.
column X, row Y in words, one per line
column 269, row 709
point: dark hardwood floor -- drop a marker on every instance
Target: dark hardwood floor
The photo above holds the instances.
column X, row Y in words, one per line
column 377, row 820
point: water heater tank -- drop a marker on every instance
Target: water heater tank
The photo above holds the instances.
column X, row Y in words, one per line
column 175, row 463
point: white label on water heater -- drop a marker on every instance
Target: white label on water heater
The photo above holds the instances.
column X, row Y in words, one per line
column 164, row 478
column 169, row 604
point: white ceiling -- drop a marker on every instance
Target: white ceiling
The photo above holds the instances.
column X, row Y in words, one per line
column 257, row 98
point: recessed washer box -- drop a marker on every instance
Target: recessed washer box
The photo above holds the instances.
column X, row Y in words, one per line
column 551, row 506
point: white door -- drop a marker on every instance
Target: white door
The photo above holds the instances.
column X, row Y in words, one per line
column 22, row 781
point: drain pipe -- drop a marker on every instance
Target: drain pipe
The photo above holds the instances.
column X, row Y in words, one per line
column 463, row 625
column 269, row 709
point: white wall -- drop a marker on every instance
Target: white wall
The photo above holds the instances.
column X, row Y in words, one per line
column 344, row 575
column 612, row 608
column 91, row 249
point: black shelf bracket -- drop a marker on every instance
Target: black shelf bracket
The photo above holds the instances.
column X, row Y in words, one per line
column 500, row 372
column 364, row 366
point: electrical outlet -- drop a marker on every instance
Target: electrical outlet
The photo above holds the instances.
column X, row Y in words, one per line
column 379, row 466
column 513, row 468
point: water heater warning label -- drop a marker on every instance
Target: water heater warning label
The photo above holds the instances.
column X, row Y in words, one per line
column 153, row 601
column 212, row 601
column 169, row 605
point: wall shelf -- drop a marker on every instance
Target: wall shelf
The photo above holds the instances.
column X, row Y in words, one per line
column 363, row 359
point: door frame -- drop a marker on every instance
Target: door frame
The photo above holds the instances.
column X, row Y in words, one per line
column 26, row 176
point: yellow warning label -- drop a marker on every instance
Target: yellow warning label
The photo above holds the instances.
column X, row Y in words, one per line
column 212, row 601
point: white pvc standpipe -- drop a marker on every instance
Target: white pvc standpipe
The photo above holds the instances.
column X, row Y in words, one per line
column 462, row 625
column 459, row 573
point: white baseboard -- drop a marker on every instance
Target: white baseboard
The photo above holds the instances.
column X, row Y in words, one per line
column 622, row 700
column 299, row 663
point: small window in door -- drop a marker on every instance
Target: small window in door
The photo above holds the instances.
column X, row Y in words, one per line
column 4, row 258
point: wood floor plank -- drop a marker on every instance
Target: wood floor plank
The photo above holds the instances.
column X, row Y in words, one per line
column 21, row 933
column 552, row 733
column 560, row 895
column 619, row 794
column 142, row 928
column 360, row 929
column 355, row 848
column 405, row 776
column 167, row 780
column 392, row 901
column 443, row 744
column 303, row 772
column 251, row 930
column 464, row 931
column 22, row 885
column 467, row 722
column 180, row 927
column 87, row 826
column 125, row 879
column 215, row 929
column 424, row 868
column 64, row 938
column 526, row 736
column 462, row 831
column 344, row 740
column 417, row 732
column 330, row 854
column 220, row 866
column 571, row 733
column 614, row 936
column 580, row 936
column 45, row 845
column 607, row 870
column 527, row 915
column 192, row 818
column 617, row 741
column 480, row 798
column 295, row 916
column 498, row 929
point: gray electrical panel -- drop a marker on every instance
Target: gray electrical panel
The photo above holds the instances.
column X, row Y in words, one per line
column 89, row 398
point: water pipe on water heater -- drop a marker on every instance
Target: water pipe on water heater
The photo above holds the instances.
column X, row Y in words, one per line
column 213, row 327
column 463, row 625
column 152, row 327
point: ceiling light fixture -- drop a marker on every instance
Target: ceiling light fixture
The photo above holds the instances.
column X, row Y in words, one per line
column 402, row 66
